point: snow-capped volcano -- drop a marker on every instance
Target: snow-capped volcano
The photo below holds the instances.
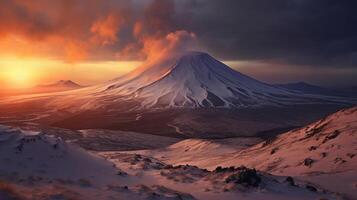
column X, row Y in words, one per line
column 196, row 79
column 186, row 80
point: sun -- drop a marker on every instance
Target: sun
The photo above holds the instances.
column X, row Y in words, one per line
column 19, row 77
column 18, row 73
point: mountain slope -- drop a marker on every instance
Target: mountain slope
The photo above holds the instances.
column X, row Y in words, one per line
column 328, row 145
column 323, row 153
column 37, row 154
column 304, row 88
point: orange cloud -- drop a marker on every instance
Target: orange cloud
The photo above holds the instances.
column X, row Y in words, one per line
column 131, row 51
column 138, row 29
column 105, row 30
column 86, row 29
column 76, row 51
column 172, row 44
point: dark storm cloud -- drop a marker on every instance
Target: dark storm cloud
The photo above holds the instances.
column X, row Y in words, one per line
column 311, row 32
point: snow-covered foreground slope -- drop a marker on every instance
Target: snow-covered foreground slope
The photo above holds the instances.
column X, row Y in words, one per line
column 36, row 166
column 35, row 154
column 323, row 152
column 221, row 183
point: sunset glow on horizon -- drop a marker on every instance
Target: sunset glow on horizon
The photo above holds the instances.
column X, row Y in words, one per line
column 25, row 73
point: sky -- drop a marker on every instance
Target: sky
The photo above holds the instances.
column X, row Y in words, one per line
column 90, row 41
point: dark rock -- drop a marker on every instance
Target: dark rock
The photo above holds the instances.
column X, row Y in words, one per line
column 20, row 147
column 168, row 167
column 121, row 173
column 247, row 177
column 351, row 155
column 55, row 146
column 312, row 148
column 290, row 180
column 311, row 188
column 274, row 150
column 339, row 160
column 155, row 194
column 314, row 131
column 231, row 169
column 137, row 157
column 331, row 136
column 218, row 169
column 268, row 142
column 308, row 162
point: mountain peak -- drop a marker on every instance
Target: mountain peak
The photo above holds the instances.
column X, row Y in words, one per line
column 190, row 56
column 196, row 79
column 62, row 83
column 66, row 83
column 193, row 54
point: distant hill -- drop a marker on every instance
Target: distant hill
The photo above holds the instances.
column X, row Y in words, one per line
column 61, row 85
column 307, row 88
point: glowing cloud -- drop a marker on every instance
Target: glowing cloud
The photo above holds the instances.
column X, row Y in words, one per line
column 106, row 30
